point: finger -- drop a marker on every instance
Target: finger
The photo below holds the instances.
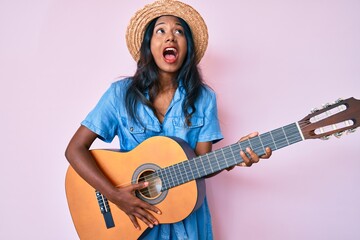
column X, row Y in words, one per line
column 147, row 218
column 268, row 152
column 230, row 168
column 254, row 158
column 139, row 186
column 149, row 207
column 251, row 135
column 247, row 162
column 145, row 205
column 134, row 222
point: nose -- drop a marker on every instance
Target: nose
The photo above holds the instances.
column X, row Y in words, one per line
column 170, row 37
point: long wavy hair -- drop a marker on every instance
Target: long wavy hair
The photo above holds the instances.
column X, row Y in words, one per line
column 146, row 77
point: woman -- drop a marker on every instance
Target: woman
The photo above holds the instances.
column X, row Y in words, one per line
column 166, row 97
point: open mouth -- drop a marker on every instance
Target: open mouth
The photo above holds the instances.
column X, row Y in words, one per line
column 170, row 54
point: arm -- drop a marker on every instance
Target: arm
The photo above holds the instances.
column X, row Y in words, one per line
column 80, row 158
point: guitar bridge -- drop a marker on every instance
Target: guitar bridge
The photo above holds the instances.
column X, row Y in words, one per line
column 105, row 209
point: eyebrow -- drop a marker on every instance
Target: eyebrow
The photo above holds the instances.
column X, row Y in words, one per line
column 160, row 23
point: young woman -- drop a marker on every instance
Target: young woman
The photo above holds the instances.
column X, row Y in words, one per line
column 167, row 97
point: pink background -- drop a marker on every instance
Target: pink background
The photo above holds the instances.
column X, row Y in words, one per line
column 270, row 62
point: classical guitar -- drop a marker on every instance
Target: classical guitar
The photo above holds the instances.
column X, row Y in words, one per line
column 175, row 174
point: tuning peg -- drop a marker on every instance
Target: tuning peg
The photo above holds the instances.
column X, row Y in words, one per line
column 326, row 105
column 325, row 138
column 338, row 134
column 314, row 110
column 351, row 130
column 339, row 100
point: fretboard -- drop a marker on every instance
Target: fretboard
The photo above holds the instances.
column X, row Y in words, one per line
column 225, row 157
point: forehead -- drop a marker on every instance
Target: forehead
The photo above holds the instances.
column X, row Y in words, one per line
column 168, row 19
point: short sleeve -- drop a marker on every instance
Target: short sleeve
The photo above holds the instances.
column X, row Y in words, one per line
column 104, row 118
column 211, row 130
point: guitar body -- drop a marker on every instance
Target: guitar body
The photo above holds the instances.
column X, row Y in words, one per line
column 126, row 168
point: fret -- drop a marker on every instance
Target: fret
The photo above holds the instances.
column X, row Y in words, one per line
column 279, row 137
column 222, row 159
column 197, row 167
column 285, row 137
column 184, row 172
column 194, row 169
column 272, row 137
column 216, row 160
column 243, row 145
column 293, row 133
column 213, row 161
column 205, row 162
column 189, row 167
column 207, row 156
column 250, row 145
column 236, row 148
column 229, row 156
column 202, row 163
column 167, row 178
column 232, row 155
column 178, row 173
column 268, row 141
column 262, row 145
column 173, row 181
column 256, row 145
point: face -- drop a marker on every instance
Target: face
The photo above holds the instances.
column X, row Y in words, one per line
column 168, row 44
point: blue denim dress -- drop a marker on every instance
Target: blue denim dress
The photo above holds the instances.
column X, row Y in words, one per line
column 109, row 118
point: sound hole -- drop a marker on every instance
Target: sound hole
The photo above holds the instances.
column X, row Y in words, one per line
column 153, row 190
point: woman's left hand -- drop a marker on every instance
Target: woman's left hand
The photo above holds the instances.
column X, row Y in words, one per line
column 254, row 158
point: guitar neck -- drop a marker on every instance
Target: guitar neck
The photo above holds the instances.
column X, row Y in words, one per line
column 228, row 156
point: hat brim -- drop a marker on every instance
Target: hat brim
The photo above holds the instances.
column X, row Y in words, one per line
column 142, row 18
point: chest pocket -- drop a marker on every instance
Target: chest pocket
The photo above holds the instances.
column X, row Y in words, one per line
column 136, row 133
column 191, row 133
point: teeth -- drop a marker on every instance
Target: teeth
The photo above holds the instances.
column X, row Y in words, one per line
column 170, row 49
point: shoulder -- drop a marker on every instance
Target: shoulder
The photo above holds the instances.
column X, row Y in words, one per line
column 121, row 83
column 119, row 87
column 207, row 93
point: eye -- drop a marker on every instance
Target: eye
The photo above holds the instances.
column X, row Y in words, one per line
column 160, row 30
column 179, row 32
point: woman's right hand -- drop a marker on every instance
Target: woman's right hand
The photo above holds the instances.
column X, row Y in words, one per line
column 78, row 155
column 134, row 207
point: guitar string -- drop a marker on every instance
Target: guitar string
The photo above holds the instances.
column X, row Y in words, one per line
column 289, row 138
column 153, row 176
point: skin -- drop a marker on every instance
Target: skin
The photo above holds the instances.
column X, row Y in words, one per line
column 167, row 33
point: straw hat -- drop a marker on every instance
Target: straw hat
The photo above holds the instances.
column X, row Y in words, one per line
column 141, row 19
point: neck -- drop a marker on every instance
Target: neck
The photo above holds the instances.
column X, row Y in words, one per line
column 167, row 81
column 228, row 156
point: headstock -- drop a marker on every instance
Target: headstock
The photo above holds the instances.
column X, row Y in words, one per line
column 333, row 119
